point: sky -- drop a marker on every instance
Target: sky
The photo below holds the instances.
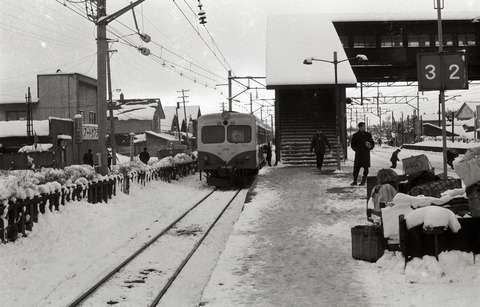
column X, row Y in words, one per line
column 38, row 270
column 39, row 37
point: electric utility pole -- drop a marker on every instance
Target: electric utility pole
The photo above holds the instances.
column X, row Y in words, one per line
column 185, row 113
column 102, row 53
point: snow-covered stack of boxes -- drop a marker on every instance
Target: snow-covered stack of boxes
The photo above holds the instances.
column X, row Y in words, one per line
column 468, row 169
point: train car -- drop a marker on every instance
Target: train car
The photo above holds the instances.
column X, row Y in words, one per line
column 230, row 147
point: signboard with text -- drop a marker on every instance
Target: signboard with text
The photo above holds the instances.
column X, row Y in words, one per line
column 90, row 132
column 442, row 71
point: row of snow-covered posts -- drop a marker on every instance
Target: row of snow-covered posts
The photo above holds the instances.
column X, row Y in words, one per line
column 17, row 217
column 166, row 174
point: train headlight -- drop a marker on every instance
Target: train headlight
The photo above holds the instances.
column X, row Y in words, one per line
column 205, row 158
column 247, row 157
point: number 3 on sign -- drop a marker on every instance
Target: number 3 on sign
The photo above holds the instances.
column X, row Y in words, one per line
column 430, row 75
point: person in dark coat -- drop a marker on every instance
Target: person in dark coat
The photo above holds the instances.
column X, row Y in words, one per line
column 394, row 158
column 362, row 143
column 319, row 143
column 451, row 155
column 268, row 151
column 88, row 158
column 144, row 155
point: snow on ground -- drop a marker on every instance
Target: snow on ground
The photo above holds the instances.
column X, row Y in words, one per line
column 79, row 242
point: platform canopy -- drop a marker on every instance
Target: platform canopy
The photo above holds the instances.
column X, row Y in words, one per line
column 293, row 38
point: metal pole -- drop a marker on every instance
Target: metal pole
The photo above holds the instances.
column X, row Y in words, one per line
column 337, row 108
column 230, row 90
column 442, row 91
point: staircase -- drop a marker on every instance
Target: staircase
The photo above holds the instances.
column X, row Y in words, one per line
column 298, row 121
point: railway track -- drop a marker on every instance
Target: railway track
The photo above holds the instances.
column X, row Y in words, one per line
column 144, row 277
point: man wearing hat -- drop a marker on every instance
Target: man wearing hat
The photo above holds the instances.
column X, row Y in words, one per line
column 362, row 143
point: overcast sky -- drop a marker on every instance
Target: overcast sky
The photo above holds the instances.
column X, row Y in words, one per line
column 39, row 37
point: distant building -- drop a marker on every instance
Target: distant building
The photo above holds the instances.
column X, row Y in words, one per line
column 135, row 115
column 189, row 124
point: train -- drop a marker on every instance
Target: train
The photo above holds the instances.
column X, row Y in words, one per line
column 231, row 147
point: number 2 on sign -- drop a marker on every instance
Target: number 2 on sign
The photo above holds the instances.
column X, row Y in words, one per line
column 455, row 69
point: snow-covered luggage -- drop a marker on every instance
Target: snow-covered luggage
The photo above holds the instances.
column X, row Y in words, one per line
column 468, row 168
column 473, row 194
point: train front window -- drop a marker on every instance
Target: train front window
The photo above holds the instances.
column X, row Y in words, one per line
column 239, row 134
column 213, row 134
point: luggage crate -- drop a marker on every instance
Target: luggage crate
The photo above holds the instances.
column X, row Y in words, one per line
column 368, row 243
column 416, row 164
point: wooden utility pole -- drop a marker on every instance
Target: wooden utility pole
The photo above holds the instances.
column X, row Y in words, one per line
column 110, row 109
column 185, row 114
column 102, row 49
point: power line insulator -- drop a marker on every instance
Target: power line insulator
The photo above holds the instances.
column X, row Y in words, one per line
column 144, row 51
column 145, row 37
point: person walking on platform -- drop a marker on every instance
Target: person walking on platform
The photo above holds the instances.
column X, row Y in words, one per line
column 319, row 143
column 362, row 143
column 395, row 158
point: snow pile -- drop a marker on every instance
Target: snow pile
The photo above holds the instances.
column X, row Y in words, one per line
column 36, row 148
column 452, row 266
column 432, row 217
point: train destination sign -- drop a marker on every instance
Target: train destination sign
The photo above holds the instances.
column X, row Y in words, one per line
column 442, row 71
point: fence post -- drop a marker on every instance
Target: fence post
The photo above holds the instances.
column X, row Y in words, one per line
column 12, row 230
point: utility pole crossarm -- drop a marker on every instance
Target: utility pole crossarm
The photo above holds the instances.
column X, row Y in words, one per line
column 107, row 19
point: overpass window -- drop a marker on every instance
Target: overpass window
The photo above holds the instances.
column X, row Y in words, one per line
column 364, row 41
column 447, row 39
column 389, row 41
column 466, row 39
column 418, row 40
column 344, row 40
column 213, row 134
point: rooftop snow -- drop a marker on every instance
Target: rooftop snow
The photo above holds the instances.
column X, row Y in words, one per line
column 17, row 128
column 293, row 38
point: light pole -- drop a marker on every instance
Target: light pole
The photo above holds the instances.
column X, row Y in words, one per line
column 335, row 62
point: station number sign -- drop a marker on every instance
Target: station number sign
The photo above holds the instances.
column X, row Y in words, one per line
column 442, row 71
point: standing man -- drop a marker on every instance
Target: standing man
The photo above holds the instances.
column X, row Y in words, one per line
column 362, row 143
column 88, row 158
column 319, row 142
column 144, row 155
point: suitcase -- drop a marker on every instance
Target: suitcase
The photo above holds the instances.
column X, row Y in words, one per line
column 368, row 243
column 436, row 188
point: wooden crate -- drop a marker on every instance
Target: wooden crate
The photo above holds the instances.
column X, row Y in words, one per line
column 368, row 243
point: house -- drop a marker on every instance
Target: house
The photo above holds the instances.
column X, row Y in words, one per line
column 171, row 122
column 137, row 116
column 52, row 144
column 470, row 111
